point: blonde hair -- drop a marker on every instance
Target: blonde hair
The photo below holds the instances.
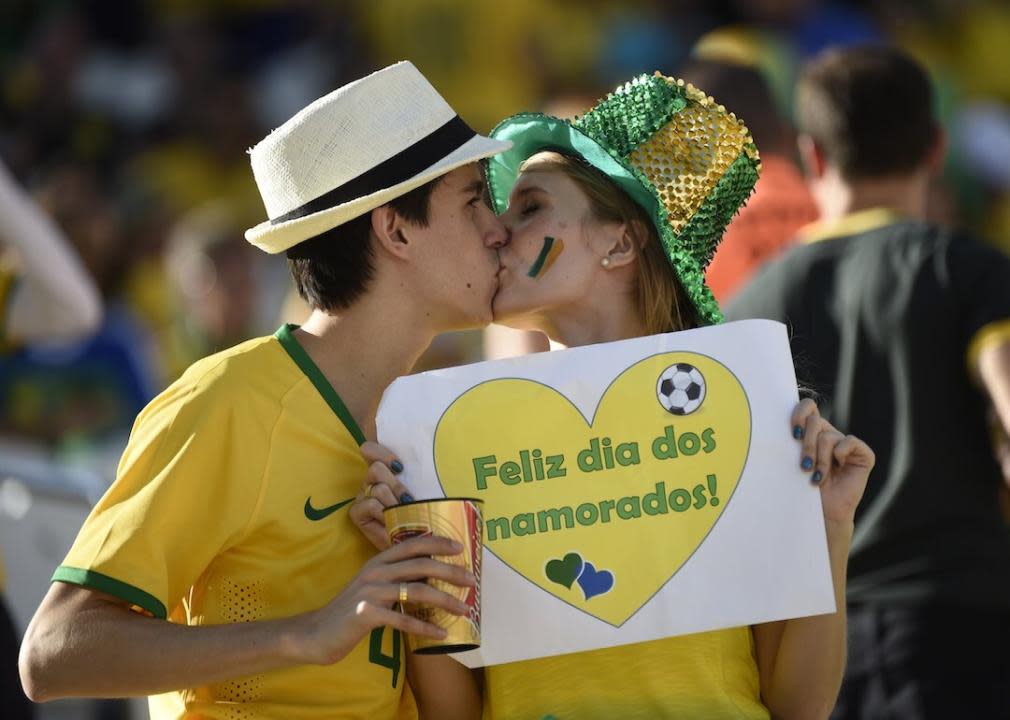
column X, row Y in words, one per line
column 658, row 295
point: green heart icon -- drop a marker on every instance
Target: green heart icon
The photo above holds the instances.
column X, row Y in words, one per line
column 566, row 571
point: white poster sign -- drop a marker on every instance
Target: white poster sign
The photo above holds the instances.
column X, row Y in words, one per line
column 632, row 490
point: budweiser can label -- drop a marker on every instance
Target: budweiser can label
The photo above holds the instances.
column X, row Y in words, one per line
column 458, row 519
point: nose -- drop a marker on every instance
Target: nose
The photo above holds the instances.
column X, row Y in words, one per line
column 496, row 235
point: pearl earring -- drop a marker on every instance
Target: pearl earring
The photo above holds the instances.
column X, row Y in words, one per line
column 605, row 262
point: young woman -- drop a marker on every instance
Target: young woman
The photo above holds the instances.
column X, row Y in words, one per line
column 637, row 193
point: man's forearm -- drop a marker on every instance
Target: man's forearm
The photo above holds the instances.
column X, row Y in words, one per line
column 994, row 370
column 85, row 643
column 104, row 649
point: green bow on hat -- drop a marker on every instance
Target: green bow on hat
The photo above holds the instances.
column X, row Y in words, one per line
column 671, row 148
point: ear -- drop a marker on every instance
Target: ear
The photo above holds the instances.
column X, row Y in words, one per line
column 391, row 231
column 811, row 156
column 624, row 244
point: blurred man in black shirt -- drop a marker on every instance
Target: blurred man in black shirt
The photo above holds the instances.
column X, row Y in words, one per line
column 904, row 329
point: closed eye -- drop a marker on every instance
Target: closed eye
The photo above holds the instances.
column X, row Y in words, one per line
column 529, row 209
column 528, row 200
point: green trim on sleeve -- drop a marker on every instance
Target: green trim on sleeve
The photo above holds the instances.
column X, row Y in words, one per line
column 314, row 374
column 111, row 586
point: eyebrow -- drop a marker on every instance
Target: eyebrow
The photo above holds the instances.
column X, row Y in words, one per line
column 474, row 188
column 527, row 190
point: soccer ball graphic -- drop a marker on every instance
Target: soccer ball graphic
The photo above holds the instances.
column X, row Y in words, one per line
column 681, row 389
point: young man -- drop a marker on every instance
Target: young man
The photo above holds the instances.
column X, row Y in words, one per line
column 228, row 517
column 904, row 328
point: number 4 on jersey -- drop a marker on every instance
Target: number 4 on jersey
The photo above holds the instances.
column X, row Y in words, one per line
column 375, row 654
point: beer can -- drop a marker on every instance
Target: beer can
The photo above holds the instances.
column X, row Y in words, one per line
column 458, row 519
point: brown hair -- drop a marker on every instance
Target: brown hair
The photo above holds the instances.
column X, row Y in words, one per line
column 870, row 108
column 659, row 297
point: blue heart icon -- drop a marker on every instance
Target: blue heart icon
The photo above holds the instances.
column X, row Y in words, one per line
column 595, row 582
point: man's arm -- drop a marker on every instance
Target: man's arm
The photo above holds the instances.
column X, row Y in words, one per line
column 994, row 371
column 54, row 297
column 82, row 643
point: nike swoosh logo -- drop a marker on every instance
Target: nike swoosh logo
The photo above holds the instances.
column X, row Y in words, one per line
column 313, row 514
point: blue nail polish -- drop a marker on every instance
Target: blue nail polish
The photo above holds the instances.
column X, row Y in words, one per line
column 807, row 463
column 406, row 498
column 816, row 477
column 396, row 466
column 797, row 432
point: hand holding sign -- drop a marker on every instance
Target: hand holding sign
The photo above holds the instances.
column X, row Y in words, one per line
column 840, row 464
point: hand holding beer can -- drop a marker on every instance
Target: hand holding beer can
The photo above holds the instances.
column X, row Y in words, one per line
column 458, row 519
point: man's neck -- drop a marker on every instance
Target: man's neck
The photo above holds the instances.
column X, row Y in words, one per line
column 905, row 195
column 363, row 350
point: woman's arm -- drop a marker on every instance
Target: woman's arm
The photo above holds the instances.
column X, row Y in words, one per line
column 801, row 662
column 443, row 688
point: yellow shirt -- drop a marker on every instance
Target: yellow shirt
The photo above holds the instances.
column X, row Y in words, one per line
column 230, row 505
column 8, row 280
column 709, row 675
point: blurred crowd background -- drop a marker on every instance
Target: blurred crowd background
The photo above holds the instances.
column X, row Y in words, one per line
column 129, row 121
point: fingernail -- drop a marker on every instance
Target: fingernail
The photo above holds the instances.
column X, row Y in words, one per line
column 396, row 466
column 406, row 498
column 470, row 577
column 816, row 477
column 797, row 432
column 462, row 608
column 807, row 463
column 457, row 547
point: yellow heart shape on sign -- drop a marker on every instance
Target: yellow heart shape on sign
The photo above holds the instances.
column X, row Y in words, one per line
column 602, row 512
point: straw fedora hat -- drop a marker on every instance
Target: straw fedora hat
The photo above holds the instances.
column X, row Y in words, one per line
column 355, row 149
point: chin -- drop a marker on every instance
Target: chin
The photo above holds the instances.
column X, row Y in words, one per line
column 477, row 318
column 502, row 311
column 517, row 318
column 510, row 307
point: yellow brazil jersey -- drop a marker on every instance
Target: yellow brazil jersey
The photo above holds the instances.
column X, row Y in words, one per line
column 709, row 675
column 230, row 505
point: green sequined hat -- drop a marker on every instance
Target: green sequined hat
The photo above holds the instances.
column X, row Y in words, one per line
column 670, row 147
